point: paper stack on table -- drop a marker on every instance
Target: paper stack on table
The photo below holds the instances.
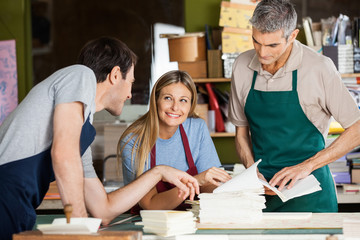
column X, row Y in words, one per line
column 241, row 199
column 236, row 201
column 76, row 226
column 167, row 223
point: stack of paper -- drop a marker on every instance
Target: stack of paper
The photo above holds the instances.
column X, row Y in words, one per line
column 76, row 226
column 241, row 199
column 168, row 223
column 195, row 207
column 237, row 201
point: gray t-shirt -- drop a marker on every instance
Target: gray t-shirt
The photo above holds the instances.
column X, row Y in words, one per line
column 28, row 130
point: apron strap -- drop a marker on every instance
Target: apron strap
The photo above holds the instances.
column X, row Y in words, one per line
column 254, row 79
column 188, row 154
column 294, row 80
column 153, row 156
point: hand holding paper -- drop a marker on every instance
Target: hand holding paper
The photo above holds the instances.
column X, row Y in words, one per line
column 248, row 179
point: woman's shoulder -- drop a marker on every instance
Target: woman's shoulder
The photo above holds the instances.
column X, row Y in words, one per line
column 129, row 139
column 195, row 124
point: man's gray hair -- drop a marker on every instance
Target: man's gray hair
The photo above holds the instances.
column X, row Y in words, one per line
column 273, row 15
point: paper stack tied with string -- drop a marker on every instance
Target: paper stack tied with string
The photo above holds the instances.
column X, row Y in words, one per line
column 167, row 223
column 238, row 200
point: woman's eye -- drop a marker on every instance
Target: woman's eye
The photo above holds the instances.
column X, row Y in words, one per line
column 183, row 100
column 167, row 98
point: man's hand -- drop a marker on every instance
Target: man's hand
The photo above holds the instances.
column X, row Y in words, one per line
column 213, row 176
column 268, row 191
column 290, row 174
column 187, row 184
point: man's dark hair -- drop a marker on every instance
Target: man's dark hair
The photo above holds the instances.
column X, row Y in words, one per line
column 103, row 54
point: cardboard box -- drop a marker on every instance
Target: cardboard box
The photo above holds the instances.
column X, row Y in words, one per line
column 196, row 69
column 236, row 15
column 202, row 111
column 187, row 48
column 236, row 40
column 355, row 175
column 215, row 66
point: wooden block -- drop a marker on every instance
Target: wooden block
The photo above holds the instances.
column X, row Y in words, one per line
column 105, row 235
column 196, row 69
column 215, row 66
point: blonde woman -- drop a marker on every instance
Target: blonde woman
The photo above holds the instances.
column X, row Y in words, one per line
column 170, row 133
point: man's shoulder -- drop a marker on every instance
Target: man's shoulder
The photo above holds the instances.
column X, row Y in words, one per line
column 244, row 58
column 76, row 68
column 312, row 56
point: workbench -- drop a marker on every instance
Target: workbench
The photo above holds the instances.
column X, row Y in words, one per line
column 315, row 231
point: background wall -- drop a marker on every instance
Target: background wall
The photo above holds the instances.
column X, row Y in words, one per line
column 15, row 24
column 74, row 22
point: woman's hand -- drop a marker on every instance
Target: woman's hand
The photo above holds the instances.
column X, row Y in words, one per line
column 214, row 176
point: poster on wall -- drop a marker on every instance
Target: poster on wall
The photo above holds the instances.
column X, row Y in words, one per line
column 8, row 79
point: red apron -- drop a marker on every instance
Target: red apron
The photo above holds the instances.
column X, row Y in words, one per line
column 164, row 186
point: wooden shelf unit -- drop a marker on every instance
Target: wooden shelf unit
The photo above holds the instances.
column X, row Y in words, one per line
column 222, row 134
column 213, row 80
column 205, row 80
column 350, row 75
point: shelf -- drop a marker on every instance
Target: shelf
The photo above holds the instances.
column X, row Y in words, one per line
column 350, row 75
column 206, row 80
column 222, row 134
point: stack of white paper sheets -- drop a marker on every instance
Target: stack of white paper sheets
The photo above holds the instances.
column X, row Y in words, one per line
column 239, row 200
column 168, row 223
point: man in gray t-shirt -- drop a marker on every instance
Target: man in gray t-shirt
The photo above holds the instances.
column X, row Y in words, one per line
column 48, row 135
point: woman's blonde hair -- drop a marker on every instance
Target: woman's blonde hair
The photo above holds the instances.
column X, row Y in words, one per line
column 145, row 130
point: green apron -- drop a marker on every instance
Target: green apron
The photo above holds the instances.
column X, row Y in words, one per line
column 283, row 136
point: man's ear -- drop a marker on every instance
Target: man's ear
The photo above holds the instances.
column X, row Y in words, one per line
column 293, row 35
column 115, row 75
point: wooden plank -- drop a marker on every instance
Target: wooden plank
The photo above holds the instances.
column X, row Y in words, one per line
column 317, row 221
column 106, row 235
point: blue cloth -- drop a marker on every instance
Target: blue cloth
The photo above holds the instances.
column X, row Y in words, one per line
column 171, row 151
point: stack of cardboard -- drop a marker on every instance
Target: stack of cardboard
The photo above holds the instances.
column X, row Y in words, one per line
column 236, row 35
column 168, row 223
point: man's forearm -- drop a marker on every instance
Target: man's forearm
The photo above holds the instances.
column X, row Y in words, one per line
column 243, row 146
column 70, row 182
column 347, row 141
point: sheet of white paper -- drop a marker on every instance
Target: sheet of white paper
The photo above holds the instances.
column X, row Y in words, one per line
column 76, row 226
column 302, row 187
column 246, row 180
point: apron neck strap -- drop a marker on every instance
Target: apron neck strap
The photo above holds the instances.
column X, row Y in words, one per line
column 294, row 80
column 254, row 79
